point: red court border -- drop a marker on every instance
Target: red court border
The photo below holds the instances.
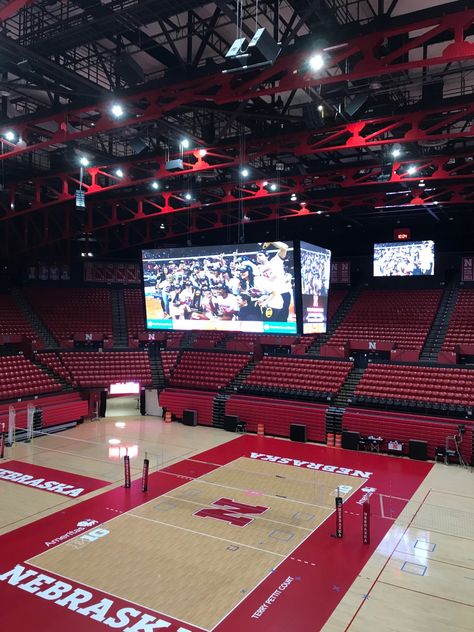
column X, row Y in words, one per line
column 321, row 569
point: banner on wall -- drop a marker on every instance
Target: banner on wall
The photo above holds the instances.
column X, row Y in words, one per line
column 123, row 273
column 340, row 272
column 467, row 269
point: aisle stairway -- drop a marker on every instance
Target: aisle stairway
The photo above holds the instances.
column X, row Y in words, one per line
column 156, row 367
column 119, row 318
column 43, row 333
column 337, row 319
column 434, row 340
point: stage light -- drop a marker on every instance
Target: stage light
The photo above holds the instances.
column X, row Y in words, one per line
column 184, row 143
column 244, row 172
column 188, row 197
column 422, row 183
column 10, row 136
column 396, row 151
column 155, row 185
column 273, row 187
column 84, row 162
column 119, row 173
column 319, row 212
column 293, row 197
column 117, row 110
column 265, row 183
column 316, row 62
column 411, row 170
column 320, row 108
column 202, row 153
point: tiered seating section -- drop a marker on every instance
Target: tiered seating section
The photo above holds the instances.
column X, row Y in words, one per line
column 99, row 370
column 335, row 299
column 461, row 324
column 168, row 361
column 401, row 317
column 12, row 321
column 300, row 377
column 277, row 415
column 207, row 370
column 392, row 426
column 401, row 383
column 57, row 410
column 51, row 360
column 134, row 312
column 19, row 377
column 176, row 401
column 73, row 310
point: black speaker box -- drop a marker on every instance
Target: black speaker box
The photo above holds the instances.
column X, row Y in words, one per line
column 298, row 432
column 418, row 450
column 350, row 440
column 230, row 423
column 190, row 418
column 263, row 47
column 357, row 103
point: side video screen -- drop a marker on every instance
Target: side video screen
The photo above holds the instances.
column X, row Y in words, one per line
column 411, row 258
column 315, row 273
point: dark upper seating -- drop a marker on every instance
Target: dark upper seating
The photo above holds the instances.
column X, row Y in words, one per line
column 12, row 320
column 394, row 316
column 67, row 311
column 461, row 323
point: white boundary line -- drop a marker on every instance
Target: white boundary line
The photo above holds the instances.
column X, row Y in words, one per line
column 135, row 603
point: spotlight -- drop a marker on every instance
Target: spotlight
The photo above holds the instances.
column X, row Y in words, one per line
column 244, row 172
column 316, row 62
column 119, row 173
column 155, row 185
column 117, row 110
column 273, row 187
column 293, row 197
column 10, row 136
column 202, row 153
column 84, row 162
column 184, row 143
column 422, row 183
column 319, row 212
column 411, row 170
column 188, row 197
column 396, row 151
column 265, row 183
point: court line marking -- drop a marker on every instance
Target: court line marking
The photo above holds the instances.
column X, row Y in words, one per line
column 207, row 535
column 440, row 491
column 463, row 537
column 135, row 603
column 287, row 558
column 256, row 518
column 427, row 594
column 385, row 563
column 436, row 560
column 238, row 489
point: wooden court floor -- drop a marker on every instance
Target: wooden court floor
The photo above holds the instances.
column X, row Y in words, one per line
column 420, row 577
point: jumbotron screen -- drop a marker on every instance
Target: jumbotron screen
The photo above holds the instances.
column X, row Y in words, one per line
column 245, row 287
column 315, row 273
column 410, row 258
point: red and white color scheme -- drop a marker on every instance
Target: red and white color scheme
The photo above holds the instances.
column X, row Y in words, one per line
column 295, row 595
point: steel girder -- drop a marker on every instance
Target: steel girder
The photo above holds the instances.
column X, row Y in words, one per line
column 392, row 50
column 228, row 204
column 447, row 123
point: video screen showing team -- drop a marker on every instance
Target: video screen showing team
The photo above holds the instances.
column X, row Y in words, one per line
column 243, row 286
column 409, row 259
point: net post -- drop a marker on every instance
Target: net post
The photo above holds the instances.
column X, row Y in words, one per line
column 146, row 467
column 339, row 516
column 2, row 440
column 366, row 522
column 29, row 424
column 126, row 465
column 11, row 426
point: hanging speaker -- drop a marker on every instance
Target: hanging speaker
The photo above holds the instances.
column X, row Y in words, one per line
column 356, row 105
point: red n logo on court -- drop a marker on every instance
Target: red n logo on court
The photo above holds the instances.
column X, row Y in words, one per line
column 230, row 511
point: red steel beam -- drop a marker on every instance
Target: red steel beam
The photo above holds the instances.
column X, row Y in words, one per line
column 11, row 8
column 434, row 125
column 290, row 72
